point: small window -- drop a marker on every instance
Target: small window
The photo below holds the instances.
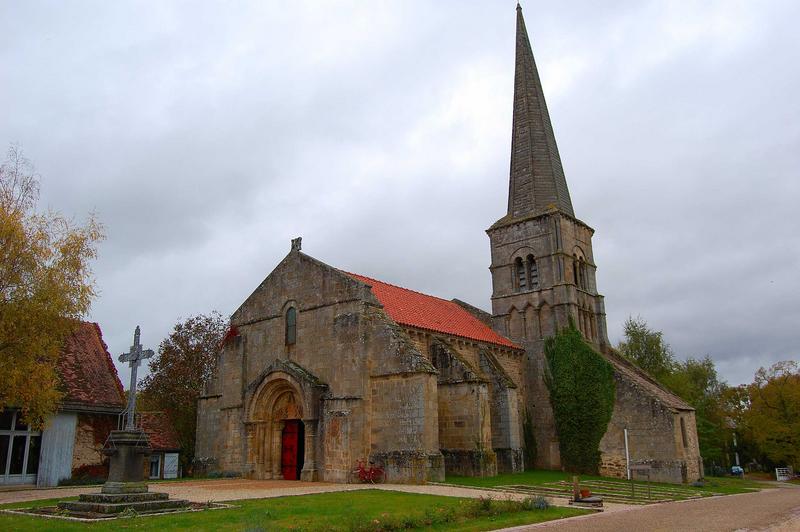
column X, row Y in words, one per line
column 683, row 433
column 291, row 326
column 575, row 269
column 522, row 283
column 582, row 273
column 155, row 466
column 533, row 273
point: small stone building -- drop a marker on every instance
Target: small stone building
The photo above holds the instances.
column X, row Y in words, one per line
column 324, row 368
column 71, row 444
column 72, row 440
column 164, row 445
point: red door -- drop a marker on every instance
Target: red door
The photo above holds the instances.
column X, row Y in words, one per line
column 289, row 448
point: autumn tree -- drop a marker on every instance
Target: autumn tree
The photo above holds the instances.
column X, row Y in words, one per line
column 185, row 360
column 697, row 382
column 46, row 285
column 646, row 348
column 772, row 415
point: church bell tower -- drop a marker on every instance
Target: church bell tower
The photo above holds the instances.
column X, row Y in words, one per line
column 543, row 269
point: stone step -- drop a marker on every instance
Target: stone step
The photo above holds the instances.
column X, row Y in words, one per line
column 115, row 508
column 620, row 486
column 112, row 498
column 555, row 492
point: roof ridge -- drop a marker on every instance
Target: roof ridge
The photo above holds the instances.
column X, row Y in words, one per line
column 432, row 313
column 401, row 287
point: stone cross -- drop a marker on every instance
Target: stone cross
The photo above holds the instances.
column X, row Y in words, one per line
column 134, row 359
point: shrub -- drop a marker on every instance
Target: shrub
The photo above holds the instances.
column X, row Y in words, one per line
column 474, row 508
column 535, row 503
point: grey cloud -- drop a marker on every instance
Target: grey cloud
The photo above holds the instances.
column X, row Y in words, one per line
column 206, row 137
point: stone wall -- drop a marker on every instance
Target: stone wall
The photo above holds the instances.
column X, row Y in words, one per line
column 465, row 431
column 91, row 433
column 404, row 421
column 342, row 431
column 654, row 437
column 691, row 449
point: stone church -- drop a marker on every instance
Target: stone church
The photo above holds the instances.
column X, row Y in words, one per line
column 323, row 368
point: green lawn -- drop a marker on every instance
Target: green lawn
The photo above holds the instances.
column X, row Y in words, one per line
column 558, row 483
column 368, row 510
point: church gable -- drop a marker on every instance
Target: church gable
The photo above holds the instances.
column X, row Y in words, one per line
column 299, row 276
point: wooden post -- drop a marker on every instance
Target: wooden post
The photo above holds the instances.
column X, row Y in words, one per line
column 576, row 491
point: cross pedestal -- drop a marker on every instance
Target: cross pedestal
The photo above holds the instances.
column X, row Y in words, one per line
column 127, row 449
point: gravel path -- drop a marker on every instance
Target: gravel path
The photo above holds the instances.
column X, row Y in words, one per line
column 776, row 510
column 197, row 490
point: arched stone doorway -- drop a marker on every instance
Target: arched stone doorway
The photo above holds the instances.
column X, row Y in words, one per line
column 276, row 433
column 283, row 401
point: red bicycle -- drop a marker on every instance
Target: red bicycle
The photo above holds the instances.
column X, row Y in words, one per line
column 372, row 474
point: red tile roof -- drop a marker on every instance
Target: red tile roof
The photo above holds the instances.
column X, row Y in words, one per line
column 86, row 370
column 160, row 431
column 414, row 309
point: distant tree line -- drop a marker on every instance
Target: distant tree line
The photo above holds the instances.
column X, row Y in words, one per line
column 762, row 418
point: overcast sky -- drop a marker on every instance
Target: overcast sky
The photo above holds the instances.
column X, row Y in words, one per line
column 205, row 135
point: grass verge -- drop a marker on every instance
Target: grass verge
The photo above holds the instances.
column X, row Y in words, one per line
column 712, row 485
column 360, row 511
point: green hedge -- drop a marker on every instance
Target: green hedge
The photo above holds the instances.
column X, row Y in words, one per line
column 581, row 385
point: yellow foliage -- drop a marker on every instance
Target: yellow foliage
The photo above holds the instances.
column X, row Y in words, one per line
column 773, row 415
column 46, row 285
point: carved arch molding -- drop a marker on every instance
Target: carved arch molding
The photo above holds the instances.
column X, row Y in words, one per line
column 283, row 391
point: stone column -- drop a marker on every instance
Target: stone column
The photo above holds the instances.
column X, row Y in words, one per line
column 252, row 456
column 277, row 433
column 309, row 472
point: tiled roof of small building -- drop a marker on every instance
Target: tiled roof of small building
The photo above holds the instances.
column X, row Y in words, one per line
column 415, row 309
column 86, row 370
column 160, row 431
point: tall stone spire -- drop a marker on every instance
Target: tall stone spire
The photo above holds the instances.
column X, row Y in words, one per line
column 536, row 183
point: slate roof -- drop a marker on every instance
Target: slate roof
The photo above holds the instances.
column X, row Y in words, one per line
column 86, row 370
column 643, row 381
column 415, row 309
column 160, row 431
column 536, row 181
